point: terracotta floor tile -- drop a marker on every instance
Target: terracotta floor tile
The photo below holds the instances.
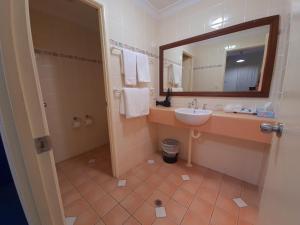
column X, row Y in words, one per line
column 109, row 185
column 203, row 209
column 88, row 217
column 211, row 183
column 192, row 218
column 70, row 197
column 143, row 173
column 175, row 179
column 78, row 179
column 133, row 182
column 132, row 221
column 94, row 193
column 168, row 188
column 100, row 222
column 76, row 208
column 241, row 222
column 175, row 211
column 145, row 214
column 163, row 171
column 155, row 180
column 101, row 178
column 249, row 214
column 145, row 190
column 222, row 217
column 231, row 189
column 116, row 216
column 132, row 202
column 120, row 193
column 104, row 205
column 190, row 186
column 164, row 221
column 207, row 194
column 65, row 186
column 87, row 187
column 183, row 197
column 92, row 172
column 228, row 205
column 197, row 178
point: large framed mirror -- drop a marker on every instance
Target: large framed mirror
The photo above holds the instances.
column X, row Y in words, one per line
column 236, row 61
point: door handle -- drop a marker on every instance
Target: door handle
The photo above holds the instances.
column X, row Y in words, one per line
column 269, row 128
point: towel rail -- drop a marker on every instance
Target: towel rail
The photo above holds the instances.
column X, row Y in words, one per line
column 118, row 51
column 118, row 91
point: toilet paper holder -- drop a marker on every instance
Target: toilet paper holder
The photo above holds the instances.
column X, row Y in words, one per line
column 88, row 120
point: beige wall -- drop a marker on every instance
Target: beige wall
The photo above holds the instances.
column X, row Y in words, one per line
column 234, row 157
column 70, row 87
column 130, row 23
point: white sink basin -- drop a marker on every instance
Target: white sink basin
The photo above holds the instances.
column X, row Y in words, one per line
column 192, row 116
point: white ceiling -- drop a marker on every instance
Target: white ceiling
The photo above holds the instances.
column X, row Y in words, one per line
column 162, row 4
column 164, row 8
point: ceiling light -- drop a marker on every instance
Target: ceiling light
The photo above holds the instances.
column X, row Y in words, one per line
column 229, row 47
column 240, row 60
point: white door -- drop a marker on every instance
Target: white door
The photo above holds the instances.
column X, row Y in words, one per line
column 281, row 196
column 21, row 82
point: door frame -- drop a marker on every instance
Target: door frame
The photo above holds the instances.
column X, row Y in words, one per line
column 23, row 114
column 105, row 56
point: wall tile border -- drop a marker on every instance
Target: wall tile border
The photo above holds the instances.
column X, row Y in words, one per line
column 67, row 56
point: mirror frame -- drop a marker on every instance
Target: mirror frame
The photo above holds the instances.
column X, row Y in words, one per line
column 272, row 21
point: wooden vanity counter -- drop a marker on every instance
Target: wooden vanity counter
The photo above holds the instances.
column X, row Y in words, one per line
column 227, row 124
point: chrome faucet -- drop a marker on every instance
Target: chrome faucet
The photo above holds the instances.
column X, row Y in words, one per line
column 195, row 103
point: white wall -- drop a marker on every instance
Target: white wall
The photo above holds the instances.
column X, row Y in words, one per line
column 237, row 158
column 70, row 87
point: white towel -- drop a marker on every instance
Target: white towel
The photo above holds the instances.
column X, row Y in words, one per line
column 175, row 75
column 177, row 89
column 129, row 64
column 135, row 102
column 143, row 70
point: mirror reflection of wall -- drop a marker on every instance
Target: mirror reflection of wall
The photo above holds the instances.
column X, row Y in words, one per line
column 210, row 65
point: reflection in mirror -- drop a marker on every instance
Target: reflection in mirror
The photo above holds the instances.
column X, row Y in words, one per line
column 228, row 63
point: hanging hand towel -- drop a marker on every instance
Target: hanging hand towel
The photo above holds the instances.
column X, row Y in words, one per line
column 129, row 63
column 143, row 70
column 136, row 102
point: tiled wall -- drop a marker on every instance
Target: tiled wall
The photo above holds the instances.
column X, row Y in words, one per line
column 129, row 23
column 234, row 157
column 72, row 83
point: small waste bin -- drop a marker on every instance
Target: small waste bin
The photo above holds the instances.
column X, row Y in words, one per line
column 170, row 150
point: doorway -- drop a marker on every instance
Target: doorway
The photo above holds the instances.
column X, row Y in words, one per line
column 68, row 52
column 187, row 71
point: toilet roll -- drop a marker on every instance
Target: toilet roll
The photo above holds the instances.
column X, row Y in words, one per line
column 76, row 123
column 88, row 121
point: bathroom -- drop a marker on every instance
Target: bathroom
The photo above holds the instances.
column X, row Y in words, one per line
column 89, row 129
